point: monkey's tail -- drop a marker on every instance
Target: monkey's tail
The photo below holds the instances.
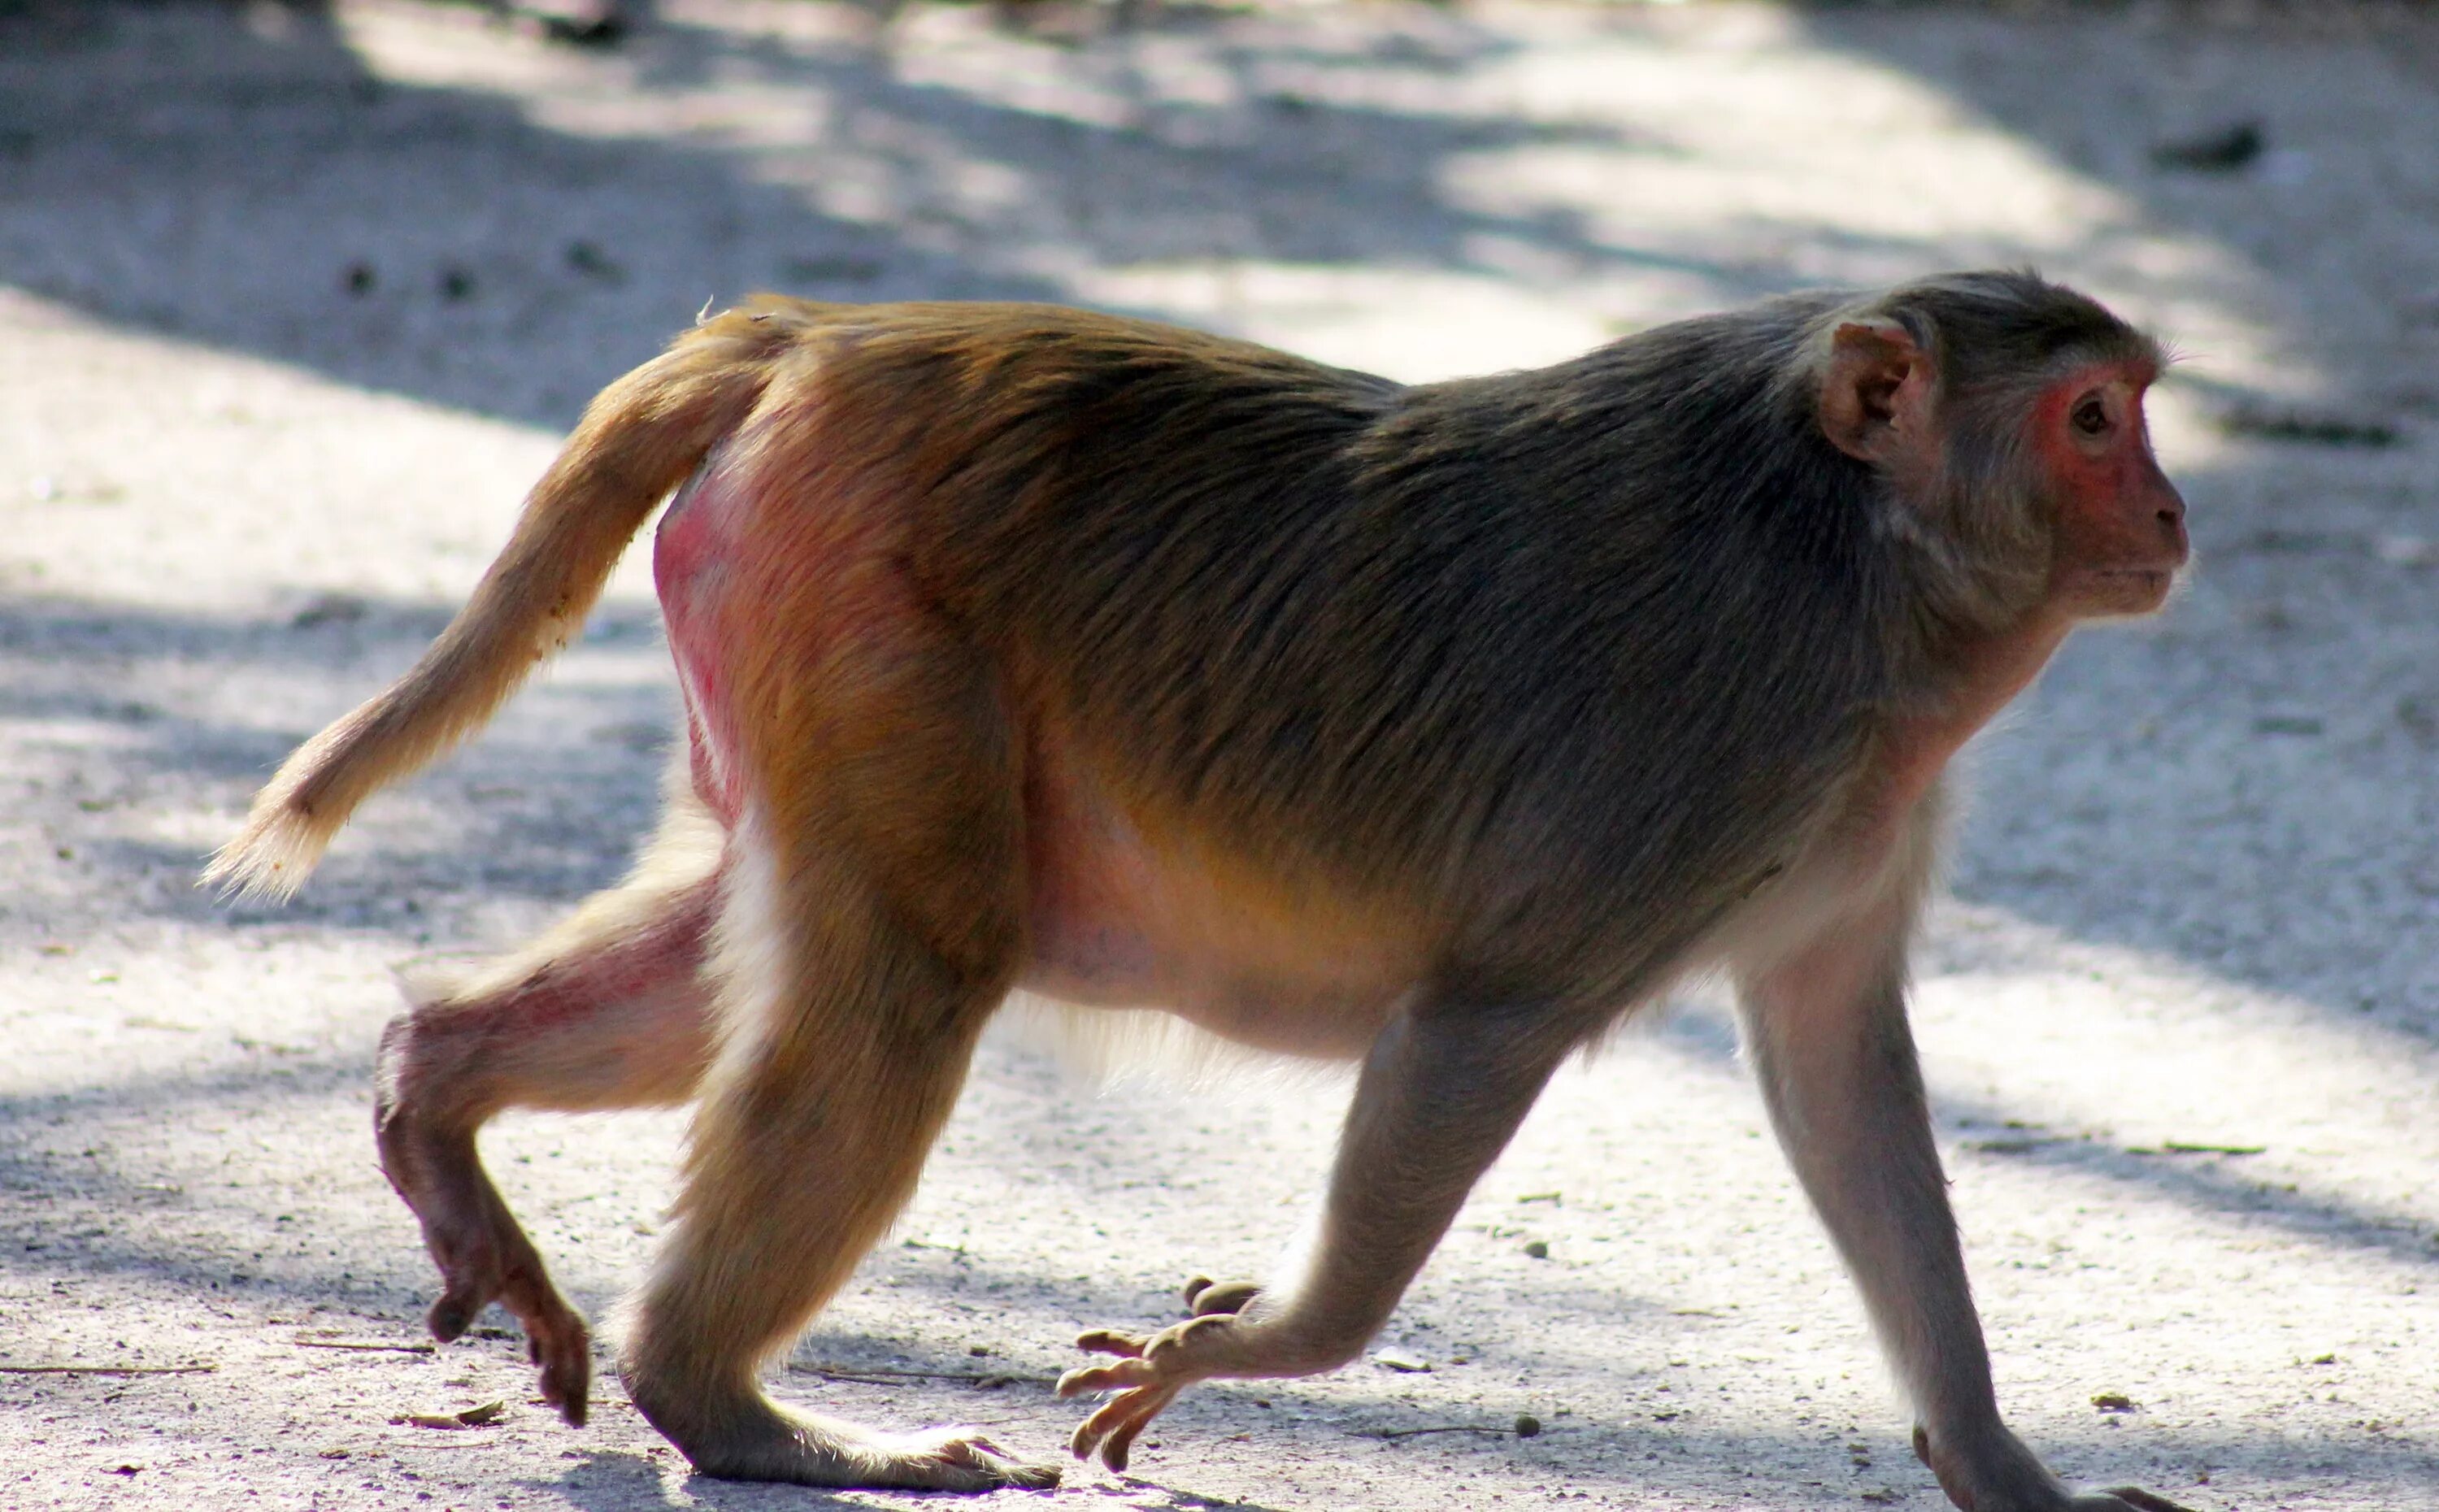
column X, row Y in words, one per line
column 637, row 441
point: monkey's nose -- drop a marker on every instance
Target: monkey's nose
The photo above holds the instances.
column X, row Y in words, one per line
column 2170, row 512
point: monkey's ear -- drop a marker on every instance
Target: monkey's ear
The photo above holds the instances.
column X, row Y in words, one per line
column 1876, row 396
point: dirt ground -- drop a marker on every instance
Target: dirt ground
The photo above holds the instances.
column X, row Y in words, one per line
column 294, row 304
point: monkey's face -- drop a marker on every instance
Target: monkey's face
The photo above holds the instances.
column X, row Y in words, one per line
column 2120, row 524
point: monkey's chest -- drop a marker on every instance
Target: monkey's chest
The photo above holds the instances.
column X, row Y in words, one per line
column 1129, row 912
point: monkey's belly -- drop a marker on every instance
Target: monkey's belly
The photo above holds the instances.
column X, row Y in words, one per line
column 1281, row 1016
column 1118, row 919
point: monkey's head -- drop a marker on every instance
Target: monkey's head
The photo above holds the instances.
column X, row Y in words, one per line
column 2005, row 415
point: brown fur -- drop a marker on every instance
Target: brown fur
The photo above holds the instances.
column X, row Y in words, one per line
column 1435, row 728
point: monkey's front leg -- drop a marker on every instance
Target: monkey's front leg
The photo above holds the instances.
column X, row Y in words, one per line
column 1826, row 1030
column 1440, row 1093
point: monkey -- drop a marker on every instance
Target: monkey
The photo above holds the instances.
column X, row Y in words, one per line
column 1432, row 729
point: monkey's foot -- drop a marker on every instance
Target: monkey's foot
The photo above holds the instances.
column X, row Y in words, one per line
column 484, row 1256
column 754, row 1440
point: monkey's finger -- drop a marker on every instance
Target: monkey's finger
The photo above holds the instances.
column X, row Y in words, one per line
column 1195, row 1285
column 1111, row 1342
column 1118, row 1447
column 1085, row 1438
column 1112, row 1429
column 1095, row 1427
column 1123, row 1375
column 1227, row 1298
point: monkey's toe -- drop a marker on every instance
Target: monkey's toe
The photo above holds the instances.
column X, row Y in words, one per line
column 2132, row 1497
column 959, row 1460
column 457, row 1306
column 1206, row 1298
column 566, row 1354
column 748, row 1437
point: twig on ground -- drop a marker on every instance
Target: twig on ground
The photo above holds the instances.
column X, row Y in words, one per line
column 368, row 1345
column 482, row 1417
column 886, row 1374
column 107, row 1370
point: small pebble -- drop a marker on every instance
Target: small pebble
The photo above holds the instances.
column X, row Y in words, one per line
column 590, row 261
column 2222, row 149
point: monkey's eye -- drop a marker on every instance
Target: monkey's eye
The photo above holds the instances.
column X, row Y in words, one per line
column 2091, row 416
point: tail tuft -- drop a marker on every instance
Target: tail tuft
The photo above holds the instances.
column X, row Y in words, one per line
column 305, row 803
column 270, row 858
column 637, row 441
column 281, row 844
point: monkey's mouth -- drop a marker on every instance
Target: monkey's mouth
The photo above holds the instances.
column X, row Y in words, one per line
column 2106, row 593
column 2137, row 590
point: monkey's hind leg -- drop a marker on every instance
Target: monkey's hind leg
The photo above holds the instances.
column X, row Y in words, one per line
column 827, row 1102
column 872, row 925
column 608, row 1009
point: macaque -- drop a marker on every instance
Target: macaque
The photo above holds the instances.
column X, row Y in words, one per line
column 1432, row 729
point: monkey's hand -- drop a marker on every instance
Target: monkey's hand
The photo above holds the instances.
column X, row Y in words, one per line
column 1152, row 1371
column 2012, row 1477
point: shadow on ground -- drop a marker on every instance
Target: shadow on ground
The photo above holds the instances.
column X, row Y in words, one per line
column 2289, row 753
column 200, row 199
column 177, row 200
column 143, row 708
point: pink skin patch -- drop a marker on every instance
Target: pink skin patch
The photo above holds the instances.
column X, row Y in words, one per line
column 2120, row 508
column 1113, row 919
column 697, row 535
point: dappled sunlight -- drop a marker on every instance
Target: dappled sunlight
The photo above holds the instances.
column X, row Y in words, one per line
column 299, row 300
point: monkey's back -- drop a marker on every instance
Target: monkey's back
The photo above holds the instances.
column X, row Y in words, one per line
column 1480, row 645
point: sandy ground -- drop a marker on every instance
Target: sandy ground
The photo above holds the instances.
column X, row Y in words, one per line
column 292, row 306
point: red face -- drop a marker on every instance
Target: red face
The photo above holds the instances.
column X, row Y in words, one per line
column 2121, row 526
